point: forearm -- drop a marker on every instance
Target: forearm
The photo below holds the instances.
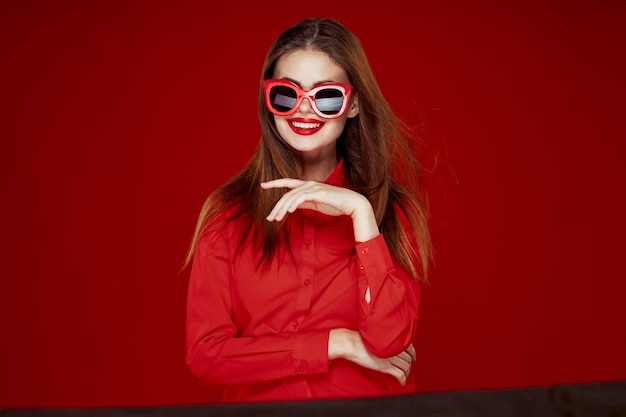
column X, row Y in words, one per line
column 364, row 221
column 389, row 300
column 388, row 296
column 340, row 344
column 348, row 344
column 226, row 360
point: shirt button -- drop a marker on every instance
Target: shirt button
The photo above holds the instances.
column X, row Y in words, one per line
column 361, row 266
column 294, row 323
column 364, row 251
column 301, row 368
column 307, row 281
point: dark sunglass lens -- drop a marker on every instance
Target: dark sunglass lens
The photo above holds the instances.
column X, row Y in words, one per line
column 329, row 100
column 283, row 98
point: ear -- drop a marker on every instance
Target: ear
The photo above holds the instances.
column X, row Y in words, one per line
column 353, row 106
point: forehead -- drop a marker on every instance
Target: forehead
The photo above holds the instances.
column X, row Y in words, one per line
column 309, row 67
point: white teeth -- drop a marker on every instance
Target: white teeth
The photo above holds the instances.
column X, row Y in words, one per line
column 301, row 125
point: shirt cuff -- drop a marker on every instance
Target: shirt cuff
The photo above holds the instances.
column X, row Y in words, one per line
column 310, row 353
column 374, row 256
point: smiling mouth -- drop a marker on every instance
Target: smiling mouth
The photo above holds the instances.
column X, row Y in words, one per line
column 305, row 127
column 301, row 125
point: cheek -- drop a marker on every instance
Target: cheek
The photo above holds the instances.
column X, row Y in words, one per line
column 335, row 127
column 281, row 125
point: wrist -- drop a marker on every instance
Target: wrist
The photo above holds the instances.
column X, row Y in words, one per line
column 341, row 343
column 364, row 222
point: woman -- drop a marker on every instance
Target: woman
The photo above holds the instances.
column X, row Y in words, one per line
column 305, row 266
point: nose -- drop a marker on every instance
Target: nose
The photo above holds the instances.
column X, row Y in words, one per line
column 305, row 105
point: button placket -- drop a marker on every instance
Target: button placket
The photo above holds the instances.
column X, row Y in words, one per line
column 306, row 275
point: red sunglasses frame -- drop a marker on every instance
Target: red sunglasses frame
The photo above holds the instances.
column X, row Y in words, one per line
column 346, row 90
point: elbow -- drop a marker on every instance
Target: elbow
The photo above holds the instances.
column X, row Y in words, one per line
column 386, row 350
column 206, row 360
column 388, row 344
column 203, row 368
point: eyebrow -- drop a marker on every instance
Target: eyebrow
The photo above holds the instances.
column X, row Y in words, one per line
column 300, row 85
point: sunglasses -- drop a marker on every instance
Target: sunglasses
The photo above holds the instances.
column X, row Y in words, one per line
column 328, row 100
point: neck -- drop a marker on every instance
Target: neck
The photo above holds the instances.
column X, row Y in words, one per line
column 319, row 169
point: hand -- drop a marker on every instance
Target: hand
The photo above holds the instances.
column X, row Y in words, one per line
column 327, row 199
column 398, row 366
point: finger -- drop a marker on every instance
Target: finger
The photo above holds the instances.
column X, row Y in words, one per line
column 301, row 196
column 309, row 193
column 397, row 373
column 280, row 208
column 405, row 356
column 285, row 204
column 278, row 211
column 282, row 183
column 401, row 364
column 411, row 351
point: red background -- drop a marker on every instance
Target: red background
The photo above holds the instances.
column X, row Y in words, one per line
column 119, row 118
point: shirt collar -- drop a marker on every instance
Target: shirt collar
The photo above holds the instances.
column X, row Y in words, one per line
column 336, row 177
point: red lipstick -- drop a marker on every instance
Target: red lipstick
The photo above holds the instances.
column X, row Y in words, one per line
column 305, row 127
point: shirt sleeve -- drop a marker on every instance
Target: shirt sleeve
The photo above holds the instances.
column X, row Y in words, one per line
column 387, row 322
column 216, row 353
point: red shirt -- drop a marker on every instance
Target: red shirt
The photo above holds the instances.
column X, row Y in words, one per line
column 264, row 333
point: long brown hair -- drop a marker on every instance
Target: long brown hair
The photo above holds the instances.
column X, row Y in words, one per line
column 375, row 146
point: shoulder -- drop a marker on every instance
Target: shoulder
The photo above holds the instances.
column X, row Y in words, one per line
column 225, row 221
